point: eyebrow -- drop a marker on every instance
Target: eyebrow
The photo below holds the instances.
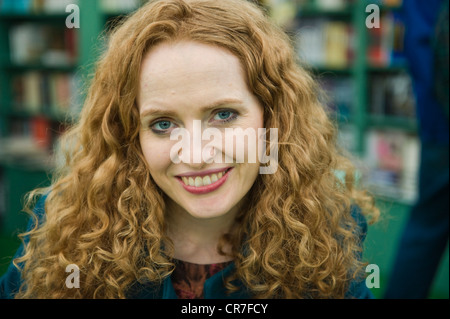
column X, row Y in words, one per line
column 164, row 112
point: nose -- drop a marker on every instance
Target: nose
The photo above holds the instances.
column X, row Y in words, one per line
column 194, row 151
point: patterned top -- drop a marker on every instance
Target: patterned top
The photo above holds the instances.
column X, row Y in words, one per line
column 188, row 278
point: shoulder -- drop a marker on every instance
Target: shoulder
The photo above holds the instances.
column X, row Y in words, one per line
column 357, row 287
column 11, row 281
column 361, row 222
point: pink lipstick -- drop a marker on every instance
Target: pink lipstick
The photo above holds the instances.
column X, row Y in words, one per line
column 195, row 182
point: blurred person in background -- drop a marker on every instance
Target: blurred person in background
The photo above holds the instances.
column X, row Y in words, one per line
column 425, row 235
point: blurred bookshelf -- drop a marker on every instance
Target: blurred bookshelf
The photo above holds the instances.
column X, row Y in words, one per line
column 44, row 69
column 365, row 75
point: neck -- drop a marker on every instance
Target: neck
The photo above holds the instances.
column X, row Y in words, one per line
column 196, row 239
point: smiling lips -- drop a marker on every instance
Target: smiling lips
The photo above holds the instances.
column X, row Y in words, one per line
column 204, row 183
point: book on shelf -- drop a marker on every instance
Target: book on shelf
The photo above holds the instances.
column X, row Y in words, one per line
column 35, row 6
column 325, row 43
column 392, row 95
column 281, row 12
column 41, row 44
column 23, row 151
column 338, row 52
column 392, row 161
column 39, row 127
column 51, row 93
column 31, row 142
column 385, row 44
column 310, row 41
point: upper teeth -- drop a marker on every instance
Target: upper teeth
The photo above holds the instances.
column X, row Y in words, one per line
column 198, row 181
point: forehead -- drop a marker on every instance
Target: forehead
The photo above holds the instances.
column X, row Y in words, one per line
column 188, row 71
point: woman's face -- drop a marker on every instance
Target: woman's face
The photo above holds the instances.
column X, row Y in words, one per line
column 195, row 87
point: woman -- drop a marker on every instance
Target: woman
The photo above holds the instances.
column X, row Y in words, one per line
column 141, row 218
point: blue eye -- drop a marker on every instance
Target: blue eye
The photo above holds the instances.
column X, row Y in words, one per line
column 225, row 116
column 161, row 127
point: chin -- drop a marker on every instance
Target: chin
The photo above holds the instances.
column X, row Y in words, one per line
column 207, row 211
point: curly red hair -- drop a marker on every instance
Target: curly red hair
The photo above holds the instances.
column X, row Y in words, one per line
column 295, row 239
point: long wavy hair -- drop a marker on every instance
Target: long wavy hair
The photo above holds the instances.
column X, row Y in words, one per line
column 104, row 213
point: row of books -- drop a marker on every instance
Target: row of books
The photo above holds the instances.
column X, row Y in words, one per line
column 386, row 43
column 48, row 45
column 55, row 93
column 392, row 94
column 325, row 43
column 391, row 164
column 330, row 43
column 37, row 128
column 36, row 134
column 389, row 95
column 30, row 142
column 35, row 6
column 23, row 151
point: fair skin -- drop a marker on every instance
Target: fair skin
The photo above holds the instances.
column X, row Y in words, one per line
column 181, row 82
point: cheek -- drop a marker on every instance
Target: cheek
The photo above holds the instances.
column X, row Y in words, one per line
column 157, row 155
column 242, row 143
column 252, row 145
